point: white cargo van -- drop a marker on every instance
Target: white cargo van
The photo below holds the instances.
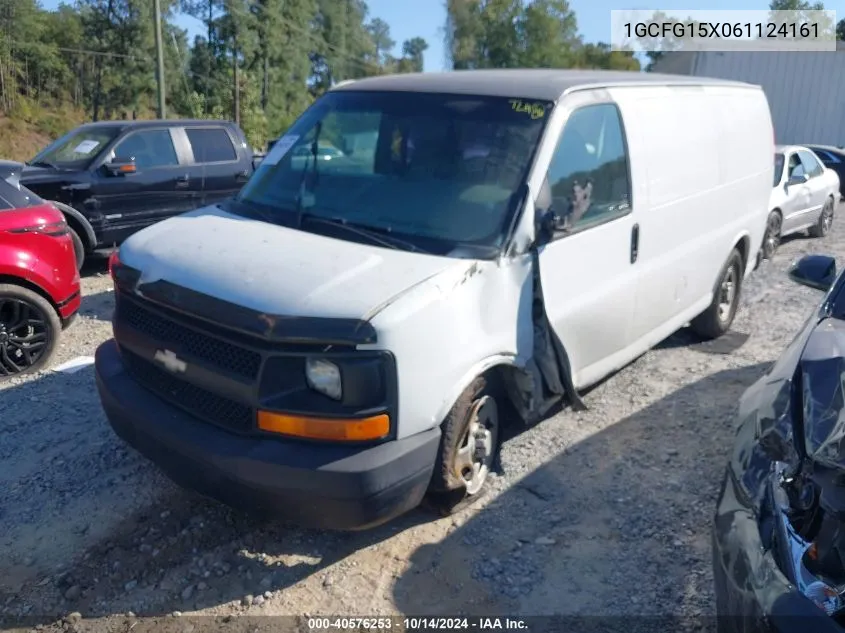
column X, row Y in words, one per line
column 345, row 334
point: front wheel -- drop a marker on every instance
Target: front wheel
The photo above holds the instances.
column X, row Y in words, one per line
column 468, row 446
column 717, row 319
column 825, row 221
column 771, row 240
column 29, row 328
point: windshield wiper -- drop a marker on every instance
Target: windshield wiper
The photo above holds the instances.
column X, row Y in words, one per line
column 302, row 181
column 379, row 236
column 41, row 163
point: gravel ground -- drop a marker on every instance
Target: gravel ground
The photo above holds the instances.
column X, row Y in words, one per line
column 604, row 512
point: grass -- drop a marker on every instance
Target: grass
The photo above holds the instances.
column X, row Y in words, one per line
column 29, row 127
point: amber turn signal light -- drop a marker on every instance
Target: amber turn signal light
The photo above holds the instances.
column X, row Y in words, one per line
column 350, row 430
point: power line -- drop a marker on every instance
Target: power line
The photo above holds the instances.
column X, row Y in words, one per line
column 74, row 50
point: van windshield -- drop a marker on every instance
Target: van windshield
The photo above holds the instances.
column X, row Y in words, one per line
column 440, row 171
column 76, row 149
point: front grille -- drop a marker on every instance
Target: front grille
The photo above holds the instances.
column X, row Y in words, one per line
column 196, row 401
column 168, row 333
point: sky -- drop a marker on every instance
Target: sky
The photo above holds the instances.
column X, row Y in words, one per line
column 425, row 18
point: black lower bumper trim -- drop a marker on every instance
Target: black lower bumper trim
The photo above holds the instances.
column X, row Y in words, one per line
column 318, row 485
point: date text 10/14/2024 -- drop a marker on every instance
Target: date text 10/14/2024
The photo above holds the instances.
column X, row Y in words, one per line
column 415, row 624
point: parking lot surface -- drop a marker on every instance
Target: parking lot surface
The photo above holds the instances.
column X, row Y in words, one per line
column 603, row 512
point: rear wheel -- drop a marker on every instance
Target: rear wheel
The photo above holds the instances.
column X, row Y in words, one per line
column 771, row 240
column 468, row 446
column 29, row 329
column 822, row 227
column 717, row 319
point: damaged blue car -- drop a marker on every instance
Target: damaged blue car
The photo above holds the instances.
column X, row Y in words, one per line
column 779, row 529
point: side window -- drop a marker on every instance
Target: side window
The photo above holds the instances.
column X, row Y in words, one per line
column 211, row 145
column 588, row 175
column 811, row 164
column 796, row 169
column 149, row 148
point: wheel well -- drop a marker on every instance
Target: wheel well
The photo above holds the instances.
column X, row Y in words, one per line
column 505, row 381
column 23, row 283
column 743, row 246
column 79, row 230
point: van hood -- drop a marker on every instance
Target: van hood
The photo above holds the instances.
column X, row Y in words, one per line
column 274, row 269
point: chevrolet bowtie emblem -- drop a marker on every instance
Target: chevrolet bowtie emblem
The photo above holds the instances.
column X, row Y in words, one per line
column 170, row 361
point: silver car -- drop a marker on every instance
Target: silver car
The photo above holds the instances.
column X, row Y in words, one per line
column 804, row 195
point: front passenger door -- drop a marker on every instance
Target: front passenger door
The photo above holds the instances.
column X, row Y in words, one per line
column 158, row 189
column 588, row 266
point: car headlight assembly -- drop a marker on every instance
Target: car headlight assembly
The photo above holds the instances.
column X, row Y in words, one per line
column 323, row 376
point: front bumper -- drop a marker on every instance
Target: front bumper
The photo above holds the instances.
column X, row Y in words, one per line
column 318, row 485
column 752, row 594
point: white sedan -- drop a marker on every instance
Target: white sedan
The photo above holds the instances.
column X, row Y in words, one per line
column 803, row 197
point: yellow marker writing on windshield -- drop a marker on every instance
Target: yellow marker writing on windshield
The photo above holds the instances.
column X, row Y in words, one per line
column 534, row 110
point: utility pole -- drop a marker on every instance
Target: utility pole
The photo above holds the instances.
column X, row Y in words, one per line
column 237, row 86
column 162, row 113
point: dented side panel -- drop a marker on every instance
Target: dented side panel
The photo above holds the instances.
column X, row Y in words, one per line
column 450, row 329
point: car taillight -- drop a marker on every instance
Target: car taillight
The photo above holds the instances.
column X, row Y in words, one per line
column 114, row 262
column 54, row 229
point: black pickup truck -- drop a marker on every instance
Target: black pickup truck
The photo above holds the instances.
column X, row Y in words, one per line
column 114, row 178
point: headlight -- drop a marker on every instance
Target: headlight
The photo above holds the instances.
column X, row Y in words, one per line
column 324, row 377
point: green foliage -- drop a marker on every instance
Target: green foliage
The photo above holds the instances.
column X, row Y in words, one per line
column 520, row 34
column 98, row 56
column 95, row 59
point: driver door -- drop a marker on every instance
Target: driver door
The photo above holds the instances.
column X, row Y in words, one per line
column 157, row 190
column 588, row 265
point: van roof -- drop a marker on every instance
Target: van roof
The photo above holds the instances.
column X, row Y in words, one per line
column 536, row 83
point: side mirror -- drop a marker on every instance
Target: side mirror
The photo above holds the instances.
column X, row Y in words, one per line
column 797, row 180
column 121, row 166
column 814, row 271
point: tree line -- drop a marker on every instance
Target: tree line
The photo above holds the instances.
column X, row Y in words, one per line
column 260, row 62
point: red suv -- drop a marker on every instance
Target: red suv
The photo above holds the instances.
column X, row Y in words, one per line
column 39, row 280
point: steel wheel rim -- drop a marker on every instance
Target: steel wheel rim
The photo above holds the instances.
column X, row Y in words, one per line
column 477, row 449
column 827, row 217
column 773, row 234
column 24, row 335
column 727, row 294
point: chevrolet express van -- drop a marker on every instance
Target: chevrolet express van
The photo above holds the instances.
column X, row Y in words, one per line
column 348, row 334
